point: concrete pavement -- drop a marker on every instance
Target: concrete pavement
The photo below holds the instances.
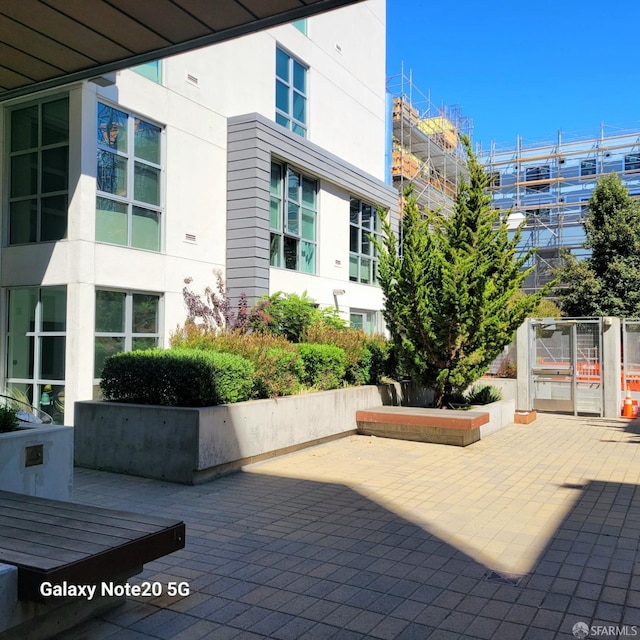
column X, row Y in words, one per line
column 521, row 535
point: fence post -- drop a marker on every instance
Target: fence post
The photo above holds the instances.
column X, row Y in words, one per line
column 523, row 401
column 611, row 359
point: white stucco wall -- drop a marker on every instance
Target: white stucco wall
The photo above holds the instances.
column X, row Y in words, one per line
column 346, row 117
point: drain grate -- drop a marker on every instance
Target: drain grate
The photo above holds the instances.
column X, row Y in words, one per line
column 510, row 579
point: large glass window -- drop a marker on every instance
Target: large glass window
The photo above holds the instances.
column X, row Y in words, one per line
column 151, row 70
column 36, row 342
column 632, row 162
column 539, row 176
column 128, row 206
column 39, row 172
column 365, row 320
column 291, row 93
column 588, row 167
column 364, row 224
column 293, row 219
column 124, row 322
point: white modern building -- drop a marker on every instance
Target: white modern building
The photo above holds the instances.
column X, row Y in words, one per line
column 262, row 157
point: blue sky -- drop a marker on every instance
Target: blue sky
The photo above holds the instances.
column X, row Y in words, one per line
column 524, row 69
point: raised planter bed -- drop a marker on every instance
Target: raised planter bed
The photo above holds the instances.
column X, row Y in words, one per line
column 194, row 445
column 37, row 460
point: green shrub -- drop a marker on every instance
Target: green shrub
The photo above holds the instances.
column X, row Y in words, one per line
column 289, row 315
column 354, row 342
column 382, row 363
column 483, row 394
column 281, row 372
column 278, row 367
column 177, row 378
column 8, row 420
column 324, row 365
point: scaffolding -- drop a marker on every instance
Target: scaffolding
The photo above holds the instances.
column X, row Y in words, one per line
column 548, row 186
column 426, row 152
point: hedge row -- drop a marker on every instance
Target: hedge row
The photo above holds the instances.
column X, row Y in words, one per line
column 177, row 378
column 206, row 369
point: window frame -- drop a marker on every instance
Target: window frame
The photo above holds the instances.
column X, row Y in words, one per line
column 127, row 334
column 588, row 167
column 40, row 195
column 36, row 333
column 632, row 161
column 131, row 179
column 538, row 173
column 281, row 208
column 360, row 255
column 287, row 118
column 370, row 320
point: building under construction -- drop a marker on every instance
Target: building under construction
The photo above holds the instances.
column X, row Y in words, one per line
column 548, row 187
column 426, row 152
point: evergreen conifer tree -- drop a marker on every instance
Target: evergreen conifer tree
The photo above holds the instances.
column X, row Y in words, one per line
column 608, row 282
column 452, row 296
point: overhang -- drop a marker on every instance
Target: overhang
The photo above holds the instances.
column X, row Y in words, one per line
column 47, row 43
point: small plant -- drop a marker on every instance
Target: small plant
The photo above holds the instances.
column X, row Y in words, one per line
column 214, row 313
column 508, row 369
column 483, row 394
column 8, row 420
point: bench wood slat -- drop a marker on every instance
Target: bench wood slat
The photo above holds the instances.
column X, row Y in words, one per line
column 101, row 518
column 89, row 531
column 36, row 504
column 57, row 540
column 44, row 546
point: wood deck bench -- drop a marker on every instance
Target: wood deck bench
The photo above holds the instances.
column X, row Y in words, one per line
column 459, row 428
column 55, row 541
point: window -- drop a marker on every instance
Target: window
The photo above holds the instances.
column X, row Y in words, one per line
column 365, row 320
column 364, row 223
column 293, row 219
column 536, row 174
column 124, row 322
column 39, row 166
column 36, row 342
column 588, row 167
column 301, row 25
column 493, row 180
column 128, row 180
column 632, row 162
column 151, row 70
column 291, row 93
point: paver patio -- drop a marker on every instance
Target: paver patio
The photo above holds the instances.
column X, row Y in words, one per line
column 374, row 538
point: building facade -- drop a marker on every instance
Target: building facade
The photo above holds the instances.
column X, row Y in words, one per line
column 548, row 186
column 261, row 157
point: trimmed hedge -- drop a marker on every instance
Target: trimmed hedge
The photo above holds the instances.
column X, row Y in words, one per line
column 177, row 378
column 324, row 365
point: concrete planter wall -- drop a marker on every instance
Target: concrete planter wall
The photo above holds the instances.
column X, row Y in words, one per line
column 500, row 415
column 193, row 445
column 37, row 460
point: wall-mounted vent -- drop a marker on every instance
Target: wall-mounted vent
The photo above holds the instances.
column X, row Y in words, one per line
column 189, row 237
column 192, row 79
column 337, row 263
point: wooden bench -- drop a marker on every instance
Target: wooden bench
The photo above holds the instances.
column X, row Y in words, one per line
column 55, row 541
column 459, row 428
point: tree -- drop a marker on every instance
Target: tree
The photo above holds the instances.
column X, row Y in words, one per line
column 608, row 282
column 452, row 297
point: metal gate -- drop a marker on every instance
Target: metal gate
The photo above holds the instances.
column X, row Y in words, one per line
column 566, row 373
column 631, row 356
